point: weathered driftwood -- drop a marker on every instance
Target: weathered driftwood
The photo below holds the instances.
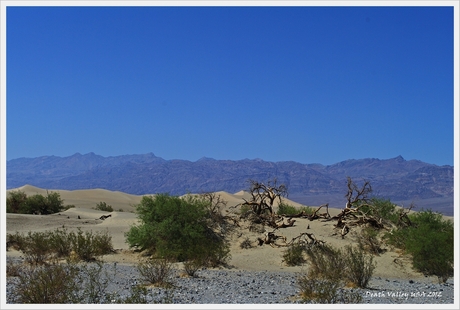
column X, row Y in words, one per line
column 270, row 238
column 315, row 215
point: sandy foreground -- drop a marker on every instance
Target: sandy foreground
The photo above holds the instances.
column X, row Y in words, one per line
column 390, row 264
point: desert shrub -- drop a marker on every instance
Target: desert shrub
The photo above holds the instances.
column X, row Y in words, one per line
column 326, row 262
column 94, row 282
column 47, row 284
column 319, row 290
column 360, row 266
column 385, row 209
column 430, row 241
column 87, row 246
column 15, row 202
column 36, row 247
column 15, row 241
column 286, row 209
column 39, row 204
column 39, row 247
column 18, row 202
column 380, row 208
column 244, row 209
column 138, row 295
column 177, row 228
column 13, row 268
column 157, row 271
column 192, row 266
column 246, row 243
column 294, row 255
column 86, row 283
column 60, row 242
column 331, row 269
column 368, row 241
column 102, row 206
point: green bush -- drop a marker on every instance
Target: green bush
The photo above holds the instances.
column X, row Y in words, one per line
column 285, row 209
column 102, row 206
column 86, row 283
column 369, row 241
column 157, row 271
column 95, row 280
column 318, row 290
column 15, row 241
column 246, row 243
column 88, row 246
column 325, row 262
column 15, row 202
column 36, row 247
column 18, row 202
column 39, row 247
column 294, row 255
column 192, row 266
column 360, row 266
column 60, row 242
column 381, row 209
column 177, row 228
column 332, row 268
column 47, row 284
column 430, row 241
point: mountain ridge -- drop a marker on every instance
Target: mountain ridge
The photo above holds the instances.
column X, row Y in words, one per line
column 396, row 179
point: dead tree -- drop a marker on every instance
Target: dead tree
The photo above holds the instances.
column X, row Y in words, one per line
column 403, row 219
column 216, row 220
column 356, row 194
column 315, row 215
column 262, row 202
column 263, row 196
column 270, row 238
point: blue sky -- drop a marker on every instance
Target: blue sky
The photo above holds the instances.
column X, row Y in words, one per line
column 308, row 84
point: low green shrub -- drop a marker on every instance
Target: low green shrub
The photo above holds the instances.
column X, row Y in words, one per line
column 157, row 271
column 18, row 202
column 13, row 268
column 178, row 228
column 15, row 241
column 368, row 241
column 36, row 247
column 286, row 209
column 94, row 280
column 330, row 269
column 318, row 290
column 83, row 283
column 359, row 266
column 192, row 266
column 88, row 245
column 103, row 206
column 15, row 202
column 60, row 242
column 326, row 262
column 39, row 247
column 430, row 242
column 294, row 255
column 246, row 243
column 47, row 284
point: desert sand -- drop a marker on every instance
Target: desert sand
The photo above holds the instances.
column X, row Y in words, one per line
column 390, row 264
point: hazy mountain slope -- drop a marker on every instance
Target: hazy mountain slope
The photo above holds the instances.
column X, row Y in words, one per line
column 395, row 179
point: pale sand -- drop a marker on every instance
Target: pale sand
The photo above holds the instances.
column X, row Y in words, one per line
column 258, row 258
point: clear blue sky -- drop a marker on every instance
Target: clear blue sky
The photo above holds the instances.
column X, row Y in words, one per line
column 308, row 84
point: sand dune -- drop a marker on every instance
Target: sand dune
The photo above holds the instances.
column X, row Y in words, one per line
column 85, row 217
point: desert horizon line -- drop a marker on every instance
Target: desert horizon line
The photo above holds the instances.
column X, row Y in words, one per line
column 399, row 157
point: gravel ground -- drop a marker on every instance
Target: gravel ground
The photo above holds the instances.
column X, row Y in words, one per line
column 262, row 287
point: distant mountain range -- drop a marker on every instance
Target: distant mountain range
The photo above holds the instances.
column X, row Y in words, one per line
column 402, row 181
